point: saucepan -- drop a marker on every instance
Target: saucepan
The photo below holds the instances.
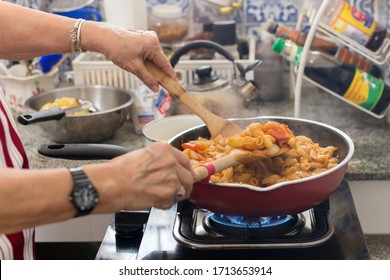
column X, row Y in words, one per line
column 112, row 107
column 245, row 200
column 282, row 198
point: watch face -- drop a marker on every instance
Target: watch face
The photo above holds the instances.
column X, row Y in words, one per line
column 85, row 197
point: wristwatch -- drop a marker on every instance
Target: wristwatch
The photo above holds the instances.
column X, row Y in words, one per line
column 84, row 195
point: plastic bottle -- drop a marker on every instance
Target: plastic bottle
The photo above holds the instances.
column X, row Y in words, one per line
column 298, row 37
column 323, row 44
column 343, row 79
column 354, row 24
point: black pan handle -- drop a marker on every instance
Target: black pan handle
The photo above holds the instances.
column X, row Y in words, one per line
column 82, row 151
column 55, row 113
column 200, row 44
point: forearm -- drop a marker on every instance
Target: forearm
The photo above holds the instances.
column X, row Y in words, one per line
column 33, row 197
column 27, row 33
column 30, row 198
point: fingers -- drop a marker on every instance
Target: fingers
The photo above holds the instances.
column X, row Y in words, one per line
column 147, row 78
column 182, row 169
column 162, row 61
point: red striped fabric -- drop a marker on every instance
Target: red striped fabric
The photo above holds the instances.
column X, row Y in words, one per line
column 18, row 245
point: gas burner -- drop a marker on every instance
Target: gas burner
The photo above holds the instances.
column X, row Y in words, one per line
column 237, row 225
column 201, row 229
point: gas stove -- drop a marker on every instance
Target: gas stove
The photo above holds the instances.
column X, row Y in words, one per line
column 330, row 230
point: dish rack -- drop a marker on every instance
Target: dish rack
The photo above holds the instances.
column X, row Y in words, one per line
column 379, row 57
column 93, row 69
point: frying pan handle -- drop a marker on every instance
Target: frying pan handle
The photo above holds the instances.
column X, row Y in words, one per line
column 55, row 113
column 82, row 151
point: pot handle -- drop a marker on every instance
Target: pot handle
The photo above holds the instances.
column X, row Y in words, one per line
column 82, row 151
column 200, row 44
column 55, row 113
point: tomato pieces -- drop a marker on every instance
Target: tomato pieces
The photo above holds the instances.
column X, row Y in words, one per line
column 191, row 146
column 280, row 133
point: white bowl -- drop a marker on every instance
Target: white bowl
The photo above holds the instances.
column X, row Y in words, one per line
column 164, row 129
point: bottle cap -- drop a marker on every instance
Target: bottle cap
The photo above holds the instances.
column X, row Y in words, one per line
column 237, row 5
column 271, row 26
column 224, row 11
column 278, row 45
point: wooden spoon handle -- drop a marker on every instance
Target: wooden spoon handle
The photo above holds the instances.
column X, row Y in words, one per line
column 177, row 90
column 233, row 159
column 208, row 169
column 214, row 123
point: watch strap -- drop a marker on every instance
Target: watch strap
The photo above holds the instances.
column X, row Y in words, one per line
column 80, row 180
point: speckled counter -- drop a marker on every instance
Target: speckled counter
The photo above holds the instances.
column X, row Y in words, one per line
column 371, row 136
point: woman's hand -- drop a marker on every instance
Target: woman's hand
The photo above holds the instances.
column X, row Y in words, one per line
column 158, row 176
column 128, row 49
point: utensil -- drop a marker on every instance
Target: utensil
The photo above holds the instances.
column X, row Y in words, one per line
column 114, row 107
column 215, row 124
column 77, row 151
column 55, row 113
column 234, row 158
column 289, row 197
column 106, row 151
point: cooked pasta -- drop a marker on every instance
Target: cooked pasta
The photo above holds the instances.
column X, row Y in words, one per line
column 303, row 159
column 65, row 103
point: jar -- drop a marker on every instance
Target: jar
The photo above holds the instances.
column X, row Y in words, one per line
column 169, row 22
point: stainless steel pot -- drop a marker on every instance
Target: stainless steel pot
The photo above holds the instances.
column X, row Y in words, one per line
column 113, row 106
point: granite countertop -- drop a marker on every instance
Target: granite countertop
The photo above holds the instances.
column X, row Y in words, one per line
column 371, row 136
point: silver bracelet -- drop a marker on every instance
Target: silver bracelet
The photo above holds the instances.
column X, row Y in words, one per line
column 75, row 34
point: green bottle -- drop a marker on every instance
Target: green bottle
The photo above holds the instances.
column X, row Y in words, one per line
column 343, row 79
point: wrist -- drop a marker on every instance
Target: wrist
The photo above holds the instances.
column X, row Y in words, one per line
column 75, row 36
column 103, row 178
column 92, row 34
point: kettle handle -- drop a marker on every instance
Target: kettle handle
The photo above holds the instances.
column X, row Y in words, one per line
column 200, row 44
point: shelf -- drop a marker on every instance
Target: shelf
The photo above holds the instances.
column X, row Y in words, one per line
column 380, row 57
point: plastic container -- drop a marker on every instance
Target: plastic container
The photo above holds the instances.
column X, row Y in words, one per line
column 94, row 69
column 18, row 87
column 169, row 22
column 126, row 13
column 85, row 13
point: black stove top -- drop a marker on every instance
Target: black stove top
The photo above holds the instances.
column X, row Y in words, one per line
column 330, row 230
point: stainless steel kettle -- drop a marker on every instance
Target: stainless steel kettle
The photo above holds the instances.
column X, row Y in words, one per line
column 224, row 96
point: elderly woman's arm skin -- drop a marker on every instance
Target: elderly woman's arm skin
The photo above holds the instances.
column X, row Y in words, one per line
column 26, row 33
column 141, row 179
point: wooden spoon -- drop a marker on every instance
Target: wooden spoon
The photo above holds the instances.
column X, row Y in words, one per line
column 234, row 158
column 215, row 124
